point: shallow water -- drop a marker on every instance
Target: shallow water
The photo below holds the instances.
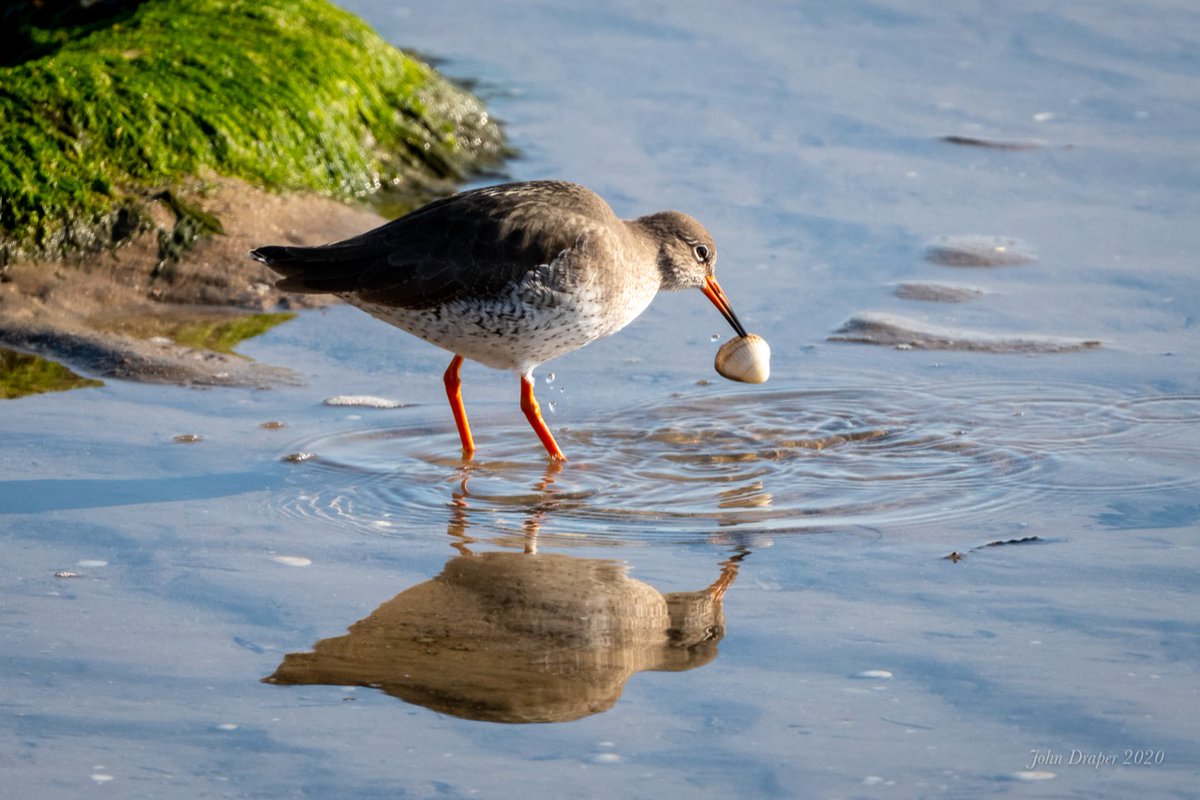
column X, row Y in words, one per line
column 890, row 571
column 822, row 459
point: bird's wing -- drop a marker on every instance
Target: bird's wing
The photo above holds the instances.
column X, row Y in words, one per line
column 473, row 244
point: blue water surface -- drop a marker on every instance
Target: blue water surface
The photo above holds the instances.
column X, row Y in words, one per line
column 913, row 572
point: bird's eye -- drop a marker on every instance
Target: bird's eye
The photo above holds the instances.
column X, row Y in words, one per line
column 702, row 252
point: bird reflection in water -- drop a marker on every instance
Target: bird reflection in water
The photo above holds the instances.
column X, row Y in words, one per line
column 520, row 636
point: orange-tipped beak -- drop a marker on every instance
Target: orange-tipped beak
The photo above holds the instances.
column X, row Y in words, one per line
column 712, row 290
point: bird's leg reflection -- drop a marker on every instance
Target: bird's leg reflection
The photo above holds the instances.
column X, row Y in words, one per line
column 539, row 510
column 457, row 529
column 536, row 508
column 729, row 571
column 519, row 636
column 459, row 509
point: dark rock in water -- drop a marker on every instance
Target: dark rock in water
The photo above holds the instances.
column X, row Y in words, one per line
column 909, row 334
column 936, row 292
column 978, row 251
column 990, row 144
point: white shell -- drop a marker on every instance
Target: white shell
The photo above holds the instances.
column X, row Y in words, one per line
column 745, row 358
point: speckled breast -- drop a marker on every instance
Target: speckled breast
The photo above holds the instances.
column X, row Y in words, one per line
column 517, row 330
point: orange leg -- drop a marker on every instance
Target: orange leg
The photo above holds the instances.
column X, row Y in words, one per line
column 454, row 392
column 533, row 413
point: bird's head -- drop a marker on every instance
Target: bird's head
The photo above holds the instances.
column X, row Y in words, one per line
column 687, row 257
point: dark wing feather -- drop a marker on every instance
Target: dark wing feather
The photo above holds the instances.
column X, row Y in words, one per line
column 473, row 244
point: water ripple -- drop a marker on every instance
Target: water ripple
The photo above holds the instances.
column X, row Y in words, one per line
column 695, row 466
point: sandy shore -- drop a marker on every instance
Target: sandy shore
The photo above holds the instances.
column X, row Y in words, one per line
column 68, row 311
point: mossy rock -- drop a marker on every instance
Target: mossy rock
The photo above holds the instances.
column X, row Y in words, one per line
column 107, row 104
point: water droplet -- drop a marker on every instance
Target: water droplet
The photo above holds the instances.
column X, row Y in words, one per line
column 549, row 378
column 550, row 405
column 716, row 337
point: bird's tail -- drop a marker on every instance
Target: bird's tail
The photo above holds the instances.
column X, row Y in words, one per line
column 312, row 270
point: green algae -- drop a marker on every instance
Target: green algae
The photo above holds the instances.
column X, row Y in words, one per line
column 222, row 336
column 213, row 330
column 22, row 374
column 97, row 115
